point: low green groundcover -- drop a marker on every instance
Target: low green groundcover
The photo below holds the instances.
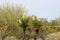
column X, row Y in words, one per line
column 11, row 38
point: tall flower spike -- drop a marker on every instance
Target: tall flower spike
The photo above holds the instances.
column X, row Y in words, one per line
column 33, row 18
column 24, row 15
column 39, row 19
column 19, row 21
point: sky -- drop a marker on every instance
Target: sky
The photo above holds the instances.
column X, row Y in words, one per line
column 49, row 9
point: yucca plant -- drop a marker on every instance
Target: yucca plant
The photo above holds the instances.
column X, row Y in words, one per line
column 24, row 23
column 37, row 23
